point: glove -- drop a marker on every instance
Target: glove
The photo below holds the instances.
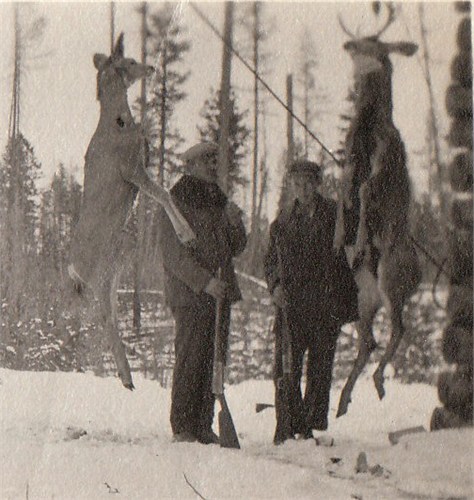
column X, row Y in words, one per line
column 279, row 297
column 217, row 288
column 234, row 213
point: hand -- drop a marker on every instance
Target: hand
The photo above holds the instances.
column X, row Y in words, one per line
column 234, row 213
column 216, row 288
column 279, row 297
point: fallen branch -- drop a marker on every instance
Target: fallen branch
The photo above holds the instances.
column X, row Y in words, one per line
column 192, row 487
column 111, row 490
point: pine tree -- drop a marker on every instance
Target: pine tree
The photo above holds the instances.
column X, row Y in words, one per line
column 167, row 49
column 19, row 171
column 238, row 136
column 60, row 205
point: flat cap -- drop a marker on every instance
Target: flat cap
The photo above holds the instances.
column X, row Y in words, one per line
column 200, row 150
column 305, row 167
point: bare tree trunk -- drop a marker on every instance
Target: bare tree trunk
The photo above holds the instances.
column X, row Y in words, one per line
column 138, row 264
column 112, row 26
column 164, row 93
column 433, row 132
column 15, row 226
column 306, row 114
column 289, row 129
column 262, row 202
column 224, row 104
column 256, row 12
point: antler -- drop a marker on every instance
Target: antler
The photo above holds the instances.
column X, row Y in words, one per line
column 389, row 21
column 343, row 26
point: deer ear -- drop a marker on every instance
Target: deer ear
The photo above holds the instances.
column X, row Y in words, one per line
column 403, row 48
column 99, row 60
column 118, row 49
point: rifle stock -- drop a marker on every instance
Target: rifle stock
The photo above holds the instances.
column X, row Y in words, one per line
column 227, row 434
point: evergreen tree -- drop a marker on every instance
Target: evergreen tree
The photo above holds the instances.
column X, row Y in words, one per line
column 238, row 135
column 167, row 48
column 19, row 171
column 60, row 205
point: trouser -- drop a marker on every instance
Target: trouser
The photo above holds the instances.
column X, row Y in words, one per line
column 192, row 400
column 320, row 341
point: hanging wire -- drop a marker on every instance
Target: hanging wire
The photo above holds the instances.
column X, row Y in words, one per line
column 264, row 83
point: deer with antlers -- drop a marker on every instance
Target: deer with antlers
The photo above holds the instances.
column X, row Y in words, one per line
column 114, row 173
column 373, row 208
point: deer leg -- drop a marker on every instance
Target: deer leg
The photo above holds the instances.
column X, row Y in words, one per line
column 367, row 345
column 369, row 303
column 108, row 303
column 394, row 308
column 362, row 234
column 339, row 233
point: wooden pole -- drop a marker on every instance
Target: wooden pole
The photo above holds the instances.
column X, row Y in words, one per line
column 112, row 26
column 224, row 104
column 289, row 129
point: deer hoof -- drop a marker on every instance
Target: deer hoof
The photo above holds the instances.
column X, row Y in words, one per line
column 127, row 383
column 341, row 411
column 342, row 408
column 378, row 381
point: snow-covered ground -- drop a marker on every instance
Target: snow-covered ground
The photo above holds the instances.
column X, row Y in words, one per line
column 69, row 436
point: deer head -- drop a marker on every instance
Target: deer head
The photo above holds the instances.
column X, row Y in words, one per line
column 369, row 54
column 118, row 69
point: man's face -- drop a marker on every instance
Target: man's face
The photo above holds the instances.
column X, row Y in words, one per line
column 206, row 168
column 304, row 188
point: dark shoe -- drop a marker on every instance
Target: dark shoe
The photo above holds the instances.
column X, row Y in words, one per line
column 321, row 425
column 208, row 437
column 279, row 438
column 307, row 434
column 184, row 437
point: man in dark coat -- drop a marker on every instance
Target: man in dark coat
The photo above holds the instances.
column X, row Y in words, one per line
column 314, row 290
column 192, row 287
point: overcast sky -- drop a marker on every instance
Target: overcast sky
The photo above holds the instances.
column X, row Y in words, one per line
column 60, row 112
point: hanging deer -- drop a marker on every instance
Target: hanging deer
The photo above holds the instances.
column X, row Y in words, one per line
column 373, row 208
column 114, row 173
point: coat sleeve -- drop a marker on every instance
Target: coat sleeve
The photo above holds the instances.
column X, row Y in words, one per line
column 270, row 264
column 178, row 260
column 237, row 238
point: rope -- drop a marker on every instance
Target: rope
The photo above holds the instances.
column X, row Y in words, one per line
column 438, row 266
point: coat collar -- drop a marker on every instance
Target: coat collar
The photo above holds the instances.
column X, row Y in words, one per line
column 197, row 193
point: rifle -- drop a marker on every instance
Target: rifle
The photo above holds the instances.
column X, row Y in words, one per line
column 284, row 429
column 227, row 434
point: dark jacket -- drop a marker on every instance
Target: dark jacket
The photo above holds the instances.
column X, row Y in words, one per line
column 188, row 270
column 318, row 281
